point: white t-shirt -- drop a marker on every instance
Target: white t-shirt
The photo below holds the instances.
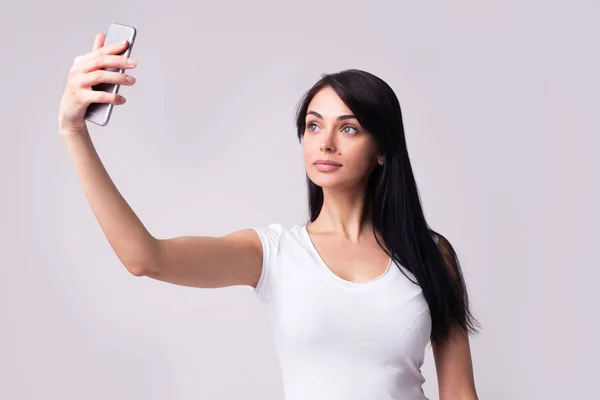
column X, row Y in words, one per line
column 336, row 339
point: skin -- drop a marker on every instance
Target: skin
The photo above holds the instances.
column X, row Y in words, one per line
column 343, row 234
column 87, row 71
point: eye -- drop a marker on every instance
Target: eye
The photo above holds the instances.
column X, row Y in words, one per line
column 351, row 127
column 309, row 125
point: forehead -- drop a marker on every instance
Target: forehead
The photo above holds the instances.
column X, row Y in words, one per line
column 327, row 103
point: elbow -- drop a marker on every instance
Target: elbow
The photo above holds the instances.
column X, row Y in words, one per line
column 136, row 270
column 146, row 266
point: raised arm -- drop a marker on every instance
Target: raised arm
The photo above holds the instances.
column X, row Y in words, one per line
column 201, row 261
column 208, row 262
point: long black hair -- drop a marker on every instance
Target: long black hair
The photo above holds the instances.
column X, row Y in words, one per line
column 393, row 201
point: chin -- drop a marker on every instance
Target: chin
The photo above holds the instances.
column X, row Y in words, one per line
column 327, row 180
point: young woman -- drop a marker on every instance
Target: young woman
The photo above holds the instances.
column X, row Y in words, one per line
column 354, row 295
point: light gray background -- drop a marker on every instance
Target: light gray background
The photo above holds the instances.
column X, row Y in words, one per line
column 500, row 105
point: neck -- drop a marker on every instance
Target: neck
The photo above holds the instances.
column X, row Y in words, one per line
column 344, row 214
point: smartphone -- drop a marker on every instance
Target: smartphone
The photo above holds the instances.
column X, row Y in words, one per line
column 99, row 113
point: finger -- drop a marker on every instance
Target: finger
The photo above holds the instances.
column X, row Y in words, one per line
column 113, row 48
column 102, row 76
column 99, row 41
column 105, row 61
column 100, row 47
column 100, row 96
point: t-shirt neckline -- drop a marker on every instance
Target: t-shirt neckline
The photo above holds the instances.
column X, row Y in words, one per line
column 385, row 276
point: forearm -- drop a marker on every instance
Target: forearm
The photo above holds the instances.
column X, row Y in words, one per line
column 469, row 395
column 128, row 237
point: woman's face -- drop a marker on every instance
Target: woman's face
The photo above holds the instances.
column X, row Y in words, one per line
column 341, row 140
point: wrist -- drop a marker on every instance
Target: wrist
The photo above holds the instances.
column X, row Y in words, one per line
column 74, row 134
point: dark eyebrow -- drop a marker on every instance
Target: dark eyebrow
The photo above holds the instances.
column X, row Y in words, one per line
column 340, row 118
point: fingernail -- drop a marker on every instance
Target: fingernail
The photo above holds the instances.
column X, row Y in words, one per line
column 130, row 79
column 131, row 61
column 123, row 41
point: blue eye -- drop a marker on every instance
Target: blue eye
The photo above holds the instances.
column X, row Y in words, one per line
column 351, row 127
column 309, row 125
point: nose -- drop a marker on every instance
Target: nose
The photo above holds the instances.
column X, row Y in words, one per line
column 327, row 142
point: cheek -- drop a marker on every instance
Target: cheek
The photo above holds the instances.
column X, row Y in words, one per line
column 305, row 148
column 358, row 153
column 309, row 153
column 310, row 144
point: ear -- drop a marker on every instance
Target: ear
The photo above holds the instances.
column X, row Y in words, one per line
column 380, row 158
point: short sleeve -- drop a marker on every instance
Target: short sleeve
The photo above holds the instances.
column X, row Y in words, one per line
column 270, row 237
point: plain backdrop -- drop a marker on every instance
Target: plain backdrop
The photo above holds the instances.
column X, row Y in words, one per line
column 500, row 104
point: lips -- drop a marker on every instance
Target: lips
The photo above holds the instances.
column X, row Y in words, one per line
column 327, row 162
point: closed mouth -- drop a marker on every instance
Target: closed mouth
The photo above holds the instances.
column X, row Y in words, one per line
column 326, row 162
